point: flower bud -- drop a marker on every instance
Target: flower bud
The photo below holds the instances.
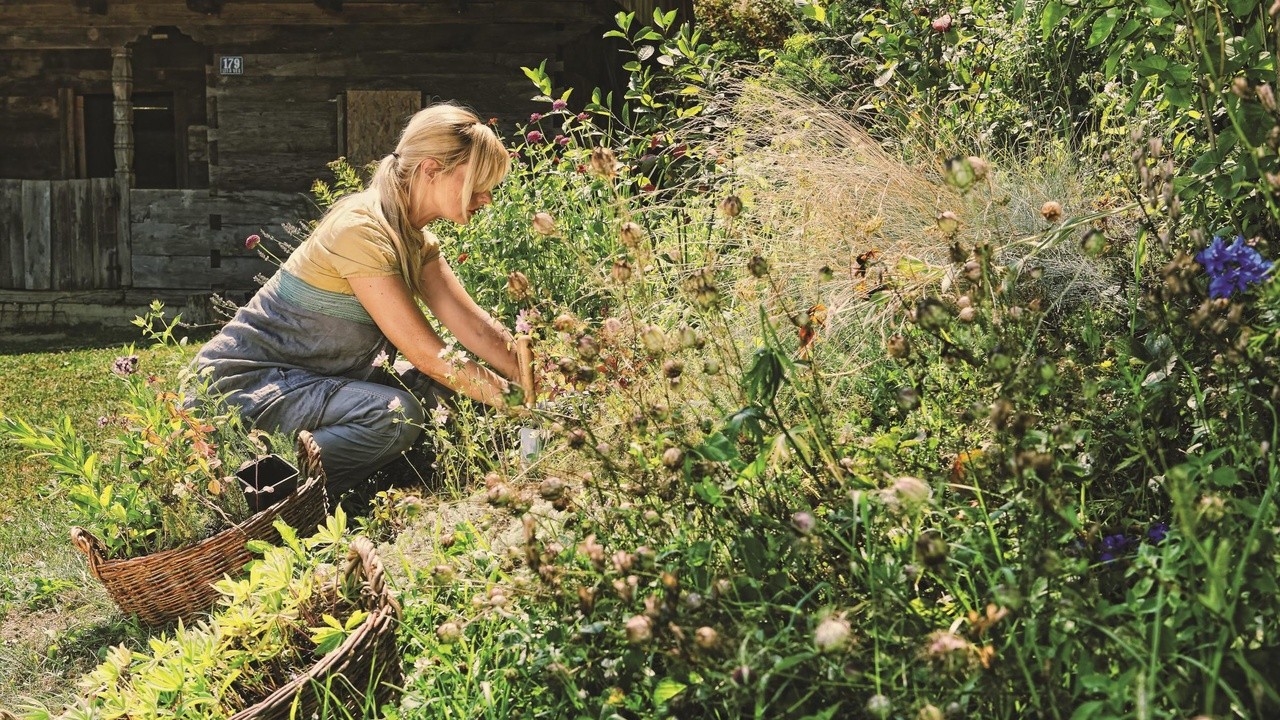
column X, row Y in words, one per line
column 803, row 522
column 1240, row 87
column 672, row 368
column 587, row 347
column 832, row 635
column 551, row 488
column 603, row 162
column 689, row 338
column 942, row 23
column 966, row 314
column 711, row 366
column 449, row 632
column 621, row 271
column 544, row 224
column 981, row 168
column 742, row 674
column 758, row 266
column 948, row 223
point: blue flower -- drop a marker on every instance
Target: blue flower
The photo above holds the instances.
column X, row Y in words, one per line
column 1157, row 532
column 1231, row 267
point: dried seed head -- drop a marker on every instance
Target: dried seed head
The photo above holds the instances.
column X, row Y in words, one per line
column 449, row 632
column 966, row 314
column 758, row 266
column 621, row 271
column 706, row 638
column 879, row 706
column 948, row 223
column 931, row 548
column 576, row 438
column 587, row 348
column 639, row 630
column 673, row 368
column 930, row 712
column 1240, row 87
column 544, row 224
column 655, row 342
column 981, row 168
column 711, row 366
column 731, row 206
column 689, row 338
column 832, row 634
column 630, row 234
column 1051, row 211
column 603, row 163
column 518, row 286
column 673, row 457
column 551, row 488
column 898, row 346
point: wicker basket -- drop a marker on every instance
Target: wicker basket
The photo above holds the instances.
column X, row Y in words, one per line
column 365, row 666
column 178, row 584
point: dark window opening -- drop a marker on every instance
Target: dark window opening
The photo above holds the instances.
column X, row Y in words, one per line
column 155, row 157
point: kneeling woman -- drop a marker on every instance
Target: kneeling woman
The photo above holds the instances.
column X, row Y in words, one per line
column 308, row 351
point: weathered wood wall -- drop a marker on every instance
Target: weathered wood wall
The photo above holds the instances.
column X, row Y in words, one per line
column 59, row 234
column 189, row 239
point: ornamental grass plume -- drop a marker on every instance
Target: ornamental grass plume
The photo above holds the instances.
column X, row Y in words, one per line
column 1232, row 268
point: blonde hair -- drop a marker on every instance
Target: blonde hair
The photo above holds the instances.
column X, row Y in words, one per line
column 452, row 136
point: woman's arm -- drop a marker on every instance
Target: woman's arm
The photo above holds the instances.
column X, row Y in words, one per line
column 474, row 328
column 392, row 307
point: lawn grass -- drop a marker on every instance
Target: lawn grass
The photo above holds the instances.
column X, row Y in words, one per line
column 54, row 617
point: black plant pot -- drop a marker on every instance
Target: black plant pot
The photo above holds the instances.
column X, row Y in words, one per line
column 266, row 481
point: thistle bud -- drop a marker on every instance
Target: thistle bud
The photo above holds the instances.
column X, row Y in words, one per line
column 630, row 234
column 518, row 286
column 639, row 630
column 544, row 224
column 731, row 206
column 758, row 266
column 653, row 339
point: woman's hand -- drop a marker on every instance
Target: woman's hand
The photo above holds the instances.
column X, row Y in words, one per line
column 392, row 307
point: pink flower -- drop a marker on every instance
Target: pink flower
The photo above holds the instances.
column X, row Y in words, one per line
column 942, row 23
column 583, row 117
column 535, row 117
column 559, row 105
column 648, row 187
column 562, row 140
column 533, row 136
column 252, row 241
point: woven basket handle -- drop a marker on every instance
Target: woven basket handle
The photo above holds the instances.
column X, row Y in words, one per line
column 309, row 456
column 91, row 546
column 363, row 564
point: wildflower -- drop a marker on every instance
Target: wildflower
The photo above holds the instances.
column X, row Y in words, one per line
column 583, row 117
column 552, row 488
column 544, row 224
column 381, row 359
column 561, row 140
column 559, row 105
column 440, row 415
column 588, row 349
column 453, row 356
column 942, row 23
column 1051, row 211
column 125, row 365
column 948, row 650
column 252, row 241
column 907, row 494
column 395, row 404
column 535, row 117
column 525, row 319
column 1232, row 267
column 493, row 121
column 731, row 206
column 1211, row 508
column 533, row 136
column 1113, row 546
column 621, row 271
column 832, row 634
column 103, row 421
column 1157, row 532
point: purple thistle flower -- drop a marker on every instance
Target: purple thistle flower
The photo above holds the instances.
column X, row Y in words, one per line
column 125, row 365
column 561, row 140
column 559, row 105
column 583, row 116
column 1233, row 267
column 533, row 136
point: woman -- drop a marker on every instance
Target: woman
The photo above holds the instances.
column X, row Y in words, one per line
column 309, row 351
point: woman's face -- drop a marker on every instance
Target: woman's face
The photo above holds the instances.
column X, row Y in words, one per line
column 439, row 195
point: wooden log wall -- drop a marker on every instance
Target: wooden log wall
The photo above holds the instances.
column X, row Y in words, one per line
column 31, row 109
column 59, row 234
column 189, row 239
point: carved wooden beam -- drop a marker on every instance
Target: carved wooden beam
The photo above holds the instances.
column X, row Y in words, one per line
column 207, row 7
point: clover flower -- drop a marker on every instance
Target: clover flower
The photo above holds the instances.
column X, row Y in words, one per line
column 125, row 365
column 559, row 105
column 1232, row 267
column 533, row 136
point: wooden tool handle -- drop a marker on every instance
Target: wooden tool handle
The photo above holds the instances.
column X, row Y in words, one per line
column 524, row 360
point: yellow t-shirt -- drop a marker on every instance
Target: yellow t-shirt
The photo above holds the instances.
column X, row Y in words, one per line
column 354, row 241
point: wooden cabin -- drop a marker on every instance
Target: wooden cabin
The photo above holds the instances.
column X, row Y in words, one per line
column 141, row 141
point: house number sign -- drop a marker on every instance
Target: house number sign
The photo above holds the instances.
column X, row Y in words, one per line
column 231, row 65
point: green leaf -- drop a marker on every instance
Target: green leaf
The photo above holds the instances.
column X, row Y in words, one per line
column 667, row 689
column 1157, row 9
column 1225, row 477
column 709, row 492
column 1053, row 13
column 717, row 448
column 1102, row 27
